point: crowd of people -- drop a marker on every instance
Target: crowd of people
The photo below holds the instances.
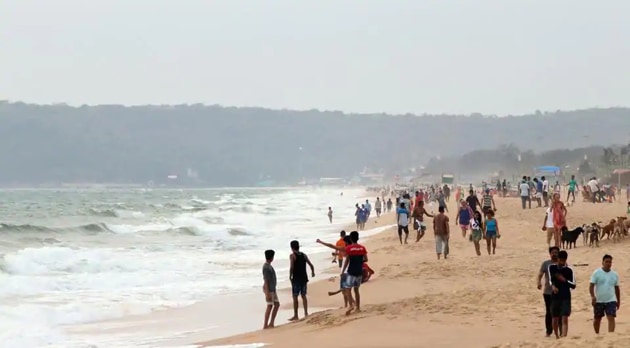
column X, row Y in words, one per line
column 476, row 220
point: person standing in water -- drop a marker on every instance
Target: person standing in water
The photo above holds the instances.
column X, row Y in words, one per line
column 299, row 277
column 492, row 232
column 476, row 228
column 330, row 213
column 269, row 288
column 605, row 294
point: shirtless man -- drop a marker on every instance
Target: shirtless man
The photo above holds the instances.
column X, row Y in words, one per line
column 418, row 216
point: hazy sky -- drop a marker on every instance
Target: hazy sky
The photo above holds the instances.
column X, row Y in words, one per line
column 434, row 56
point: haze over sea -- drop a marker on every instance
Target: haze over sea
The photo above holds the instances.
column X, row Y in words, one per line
column 69, row 257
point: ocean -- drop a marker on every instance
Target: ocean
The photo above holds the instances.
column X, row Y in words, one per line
column 77, row 256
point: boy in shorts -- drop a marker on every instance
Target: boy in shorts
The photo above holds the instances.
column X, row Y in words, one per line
column 269, row 288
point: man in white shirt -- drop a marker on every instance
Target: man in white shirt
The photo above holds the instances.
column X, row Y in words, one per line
column 594, row 187
column 545, row 190
column 524, row 190
column 605, row 294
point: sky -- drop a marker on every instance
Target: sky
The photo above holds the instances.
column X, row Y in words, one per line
column 416, row 56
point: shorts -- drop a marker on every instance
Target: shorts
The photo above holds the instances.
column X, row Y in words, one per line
column 464, row 227
column 351, row 282
column 491, row 234
column 378, row 210
column 539, row 195
column 402, row 229
column 608, row 309
column 342, row 280
column 441, row 244
column 486, row 209
column 419, row 226
column 476, row 235
column 274, row 299
column 560, row 307
column 298, row 288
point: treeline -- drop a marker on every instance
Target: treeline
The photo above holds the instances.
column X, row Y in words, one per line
column 509, row 159
column 241, row 146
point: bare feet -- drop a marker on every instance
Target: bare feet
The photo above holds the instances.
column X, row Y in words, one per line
column 349, row 310
column 293, row 319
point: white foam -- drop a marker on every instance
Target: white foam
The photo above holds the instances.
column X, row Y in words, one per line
column 155, row 266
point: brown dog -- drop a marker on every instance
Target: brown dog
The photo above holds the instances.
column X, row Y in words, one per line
column 593, row 235
column 608, row 229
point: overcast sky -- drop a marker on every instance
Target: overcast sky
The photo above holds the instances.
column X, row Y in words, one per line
column 434, row 56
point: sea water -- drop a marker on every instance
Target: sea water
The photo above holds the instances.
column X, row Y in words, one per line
column 78, row 256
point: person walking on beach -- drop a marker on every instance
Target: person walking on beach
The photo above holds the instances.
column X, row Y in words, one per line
column 299, row 277
column 463, row 217
column 441, row 230
column 559, row 212
column 378, row 206
column 605, row 294
column 492, row 231
column 546, row 286
column 418, row 217
column 562, row 281
column 573, row 186
column 269, row 288
column 550, row 228
column 441, row 198
column 389, row 205
column 338, row 255
column 476, row 231
column 473, row 200
column 487, row 202
column 545, row 192
column 340, row 249
column 524, row 193
column 330, row 213
column 356, row 256
column 402, row 215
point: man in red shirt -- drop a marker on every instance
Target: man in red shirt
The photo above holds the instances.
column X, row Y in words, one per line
column 356, row 255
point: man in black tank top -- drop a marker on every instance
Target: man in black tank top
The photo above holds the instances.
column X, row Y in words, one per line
column 299, row 277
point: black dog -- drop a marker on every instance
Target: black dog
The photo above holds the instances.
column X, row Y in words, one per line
column 569, row 238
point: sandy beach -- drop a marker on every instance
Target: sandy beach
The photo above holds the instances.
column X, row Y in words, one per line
column 484, row 301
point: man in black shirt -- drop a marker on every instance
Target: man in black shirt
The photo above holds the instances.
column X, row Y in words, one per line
column 473, row 201
column 562, row 280
column 299, row 277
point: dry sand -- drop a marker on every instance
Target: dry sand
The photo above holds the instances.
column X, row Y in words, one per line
column 468, row 301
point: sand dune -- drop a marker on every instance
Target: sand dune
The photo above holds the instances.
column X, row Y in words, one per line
column 465, row 301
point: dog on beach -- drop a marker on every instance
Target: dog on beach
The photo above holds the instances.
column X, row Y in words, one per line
column 608, row 229
column 569, row 237
column 593, row 235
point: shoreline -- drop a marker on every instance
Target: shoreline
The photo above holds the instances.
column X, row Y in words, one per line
column 489, row 301
column 198, row 321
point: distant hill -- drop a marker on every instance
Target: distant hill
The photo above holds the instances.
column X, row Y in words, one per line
column 242, row 146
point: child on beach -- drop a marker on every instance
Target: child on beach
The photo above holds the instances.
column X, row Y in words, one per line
column 269, row 288
column 492, row 231
column 476, row 228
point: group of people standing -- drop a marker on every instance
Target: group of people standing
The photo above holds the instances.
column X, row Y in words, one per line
column 559, row 281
